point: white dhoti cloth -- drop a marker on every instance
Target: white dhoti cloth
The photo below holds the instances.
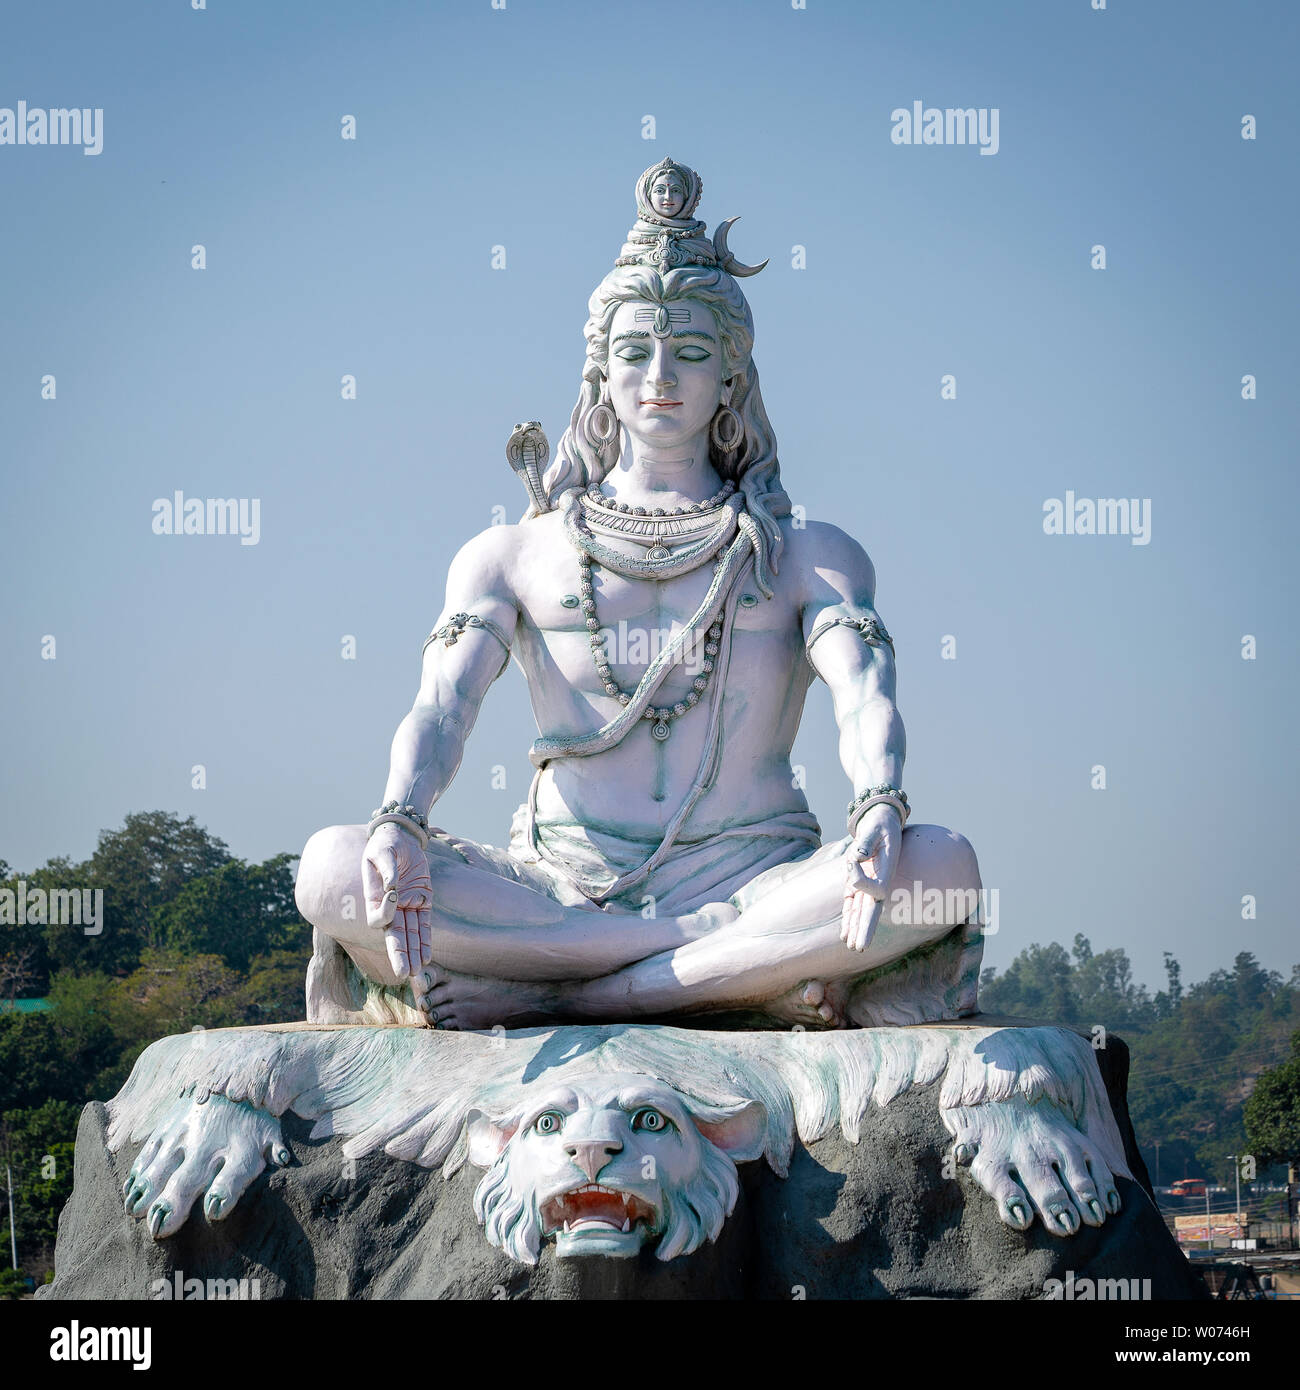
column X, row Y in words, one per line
column 578, row 863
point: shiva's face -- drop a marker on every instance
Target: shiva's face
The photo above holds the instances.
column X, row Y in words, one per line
column 665, row 370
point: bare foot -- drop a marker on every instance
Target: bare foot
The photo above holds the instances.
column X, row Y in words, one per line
column 473, row 1003
column 812, row 1004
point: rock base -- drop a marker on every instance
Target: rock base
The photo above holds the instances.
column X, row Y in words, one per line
column 887, row 1216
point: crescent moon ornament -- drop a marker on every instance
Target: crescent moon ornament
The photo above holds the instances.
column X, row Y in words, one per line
column 726, row 260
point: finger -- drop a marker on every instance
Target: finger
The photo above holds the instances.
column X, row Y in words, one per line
column 849, row 911
column 379, row 875
column 856, row 875
column 381, row 910
column 395, row 946
column 868, row 921
column 861, row 904
column 869, row 845
column 873, row 879
column 424, row 924
column 411, row 926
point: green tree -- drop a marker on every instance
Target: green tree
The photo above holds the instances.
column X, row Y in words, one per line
column 139, row 867
column 1038, row 984
column 38, row 1147
column 1272, row 1113
column 1105, row 992
column 275, row 991
column 237, row 911
column 174, row 993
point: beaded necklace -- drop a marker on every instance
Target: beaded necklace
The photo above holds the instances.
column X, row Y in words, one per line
column 659, row 717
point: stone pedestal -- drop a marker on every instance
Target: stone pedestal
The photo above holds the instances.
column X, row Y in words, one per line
column 403, row 1163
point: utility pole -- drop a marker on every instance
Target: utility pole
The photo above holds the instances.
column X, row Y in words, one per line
column 1209, row 1237
column 1236, row 1211
column 1291, row 1202
column 13, row 1235
column 1157, row 1162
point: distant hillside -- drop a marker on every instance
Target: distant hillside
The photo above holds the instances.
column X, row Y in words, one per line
column 1196, row 1051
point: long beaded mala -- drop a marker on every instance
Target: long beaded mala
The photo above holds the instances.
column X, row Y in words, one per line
column 659, row 716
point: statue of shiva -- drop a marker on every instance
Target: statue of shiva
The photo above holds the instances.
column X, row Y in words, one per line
column 668, row 616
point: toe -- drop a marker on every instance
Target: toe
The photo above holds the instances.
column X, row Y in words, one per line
column 154, row 1179
column 192, row 1177
column 242, row 1165
column 1078, row 1168
column 1049, row 1196
column 159, row 1214
column 1014, row 1206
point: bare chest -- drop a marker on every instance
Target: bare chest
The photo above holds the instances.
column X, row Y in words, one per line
column 634, row 620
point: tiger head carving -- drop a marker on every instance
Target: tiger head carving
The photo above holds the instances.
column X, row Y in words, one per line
column 608, row 1163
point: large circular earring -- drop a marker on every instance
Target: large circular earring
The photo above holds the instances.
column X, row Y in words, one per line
column 602, row 424
column 727, row 429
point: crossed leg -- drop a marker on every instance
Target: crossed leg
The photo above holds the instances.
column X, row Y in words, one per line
column 780, row 939
column 482, row 923
column 507, row 954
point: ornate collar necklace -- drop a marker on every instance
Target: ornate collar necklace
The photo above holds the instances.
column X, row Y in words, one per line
column 671, row 530
column 658, row 562
column 593, row 497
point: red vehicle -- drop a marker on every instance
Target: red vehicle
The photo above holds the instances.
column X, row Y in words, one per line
column 1188, row 1187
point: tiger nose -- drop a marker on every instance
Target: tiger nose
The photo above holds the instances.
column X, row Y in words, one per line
column 591, row 1155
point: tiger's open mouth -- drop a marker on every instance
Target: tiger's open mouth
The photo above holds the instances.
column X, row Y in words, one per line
column 594, row 1205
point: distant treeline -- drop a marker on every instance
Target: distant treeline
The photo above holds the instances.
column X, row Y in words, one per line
column 1196, row 1051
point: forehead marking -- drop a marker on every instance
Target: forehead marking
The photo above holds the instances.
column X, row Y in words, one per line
column 662, row 319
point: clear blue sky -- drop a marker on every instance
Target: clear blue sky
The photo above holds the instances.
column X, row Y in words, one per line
column 523, row 127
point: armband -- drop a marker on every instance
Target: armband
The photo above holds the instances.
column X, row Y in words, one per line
column 459, row 624
column 869, row 627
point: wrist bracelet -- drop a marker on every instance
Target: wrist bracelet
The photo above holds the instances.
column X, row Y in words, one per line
column 883, row 795
column 392, row 813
